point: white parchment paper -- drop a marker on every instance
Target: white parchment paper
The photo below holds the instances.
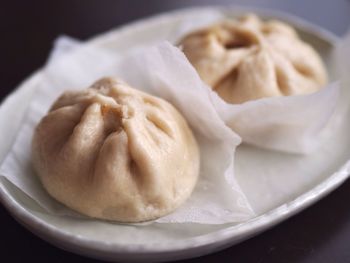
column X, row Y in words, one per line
column 286, row 123
column 217, row 198
column 289, row 124
column 161, row 70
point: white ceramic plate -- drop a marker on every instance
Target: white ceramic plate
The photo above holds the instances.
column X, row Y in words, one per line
column 160, row 242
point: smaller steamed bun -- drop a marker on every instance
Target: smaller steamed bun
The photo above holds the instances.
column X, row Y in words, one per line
column 113, row 152
column 250, row 59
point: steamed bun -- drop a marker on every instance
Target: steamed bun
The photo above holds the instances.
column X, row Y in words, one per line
column 250, row 59
column 113, row 152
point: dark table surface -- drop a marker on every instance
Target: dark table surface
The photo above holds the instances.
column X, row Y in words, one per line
column 319, row 234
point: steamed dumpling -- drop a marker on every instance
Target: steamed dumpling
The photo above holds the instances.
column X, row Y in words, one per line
column 116, row 153
column 251, row 59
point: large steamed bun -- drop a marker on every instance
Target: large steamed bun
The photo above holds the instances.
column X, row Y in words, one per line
column 250, row 59
column 113, row 152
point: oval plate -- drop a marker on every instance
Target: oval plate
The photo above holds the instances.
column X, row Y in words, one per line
column 155, row 242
